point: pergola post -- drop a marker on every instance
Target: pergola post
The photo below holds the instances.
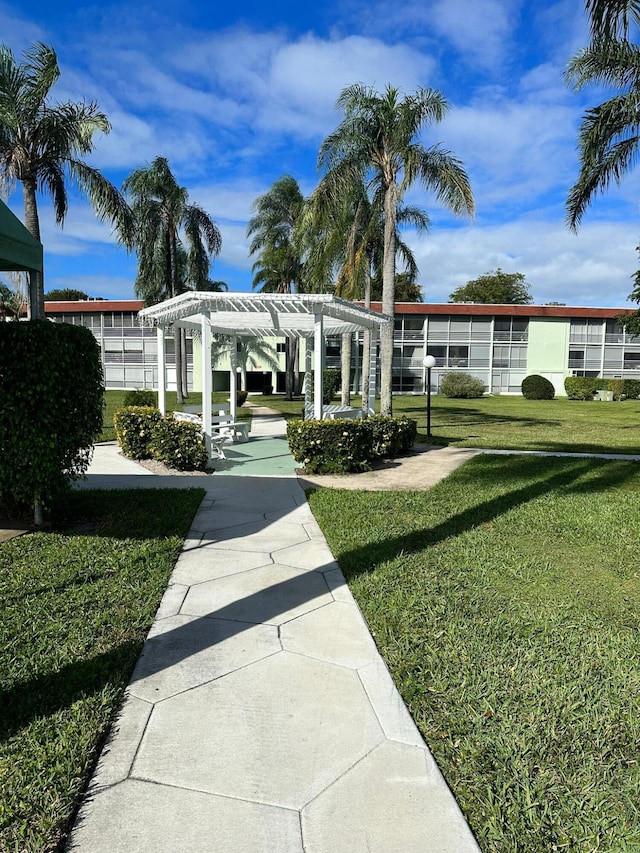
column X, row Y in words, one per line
column 308, row 384
column 205, row 337
column 162, row 371
column 233, row 377
column 318, row 347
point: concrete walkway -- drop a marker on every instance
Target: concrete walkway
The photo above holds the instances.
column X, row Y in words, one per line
column 260, row 716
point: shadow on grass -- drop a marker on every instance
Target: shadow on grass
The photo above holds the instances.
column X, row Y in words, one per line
column 57, row 691
column 577, row 476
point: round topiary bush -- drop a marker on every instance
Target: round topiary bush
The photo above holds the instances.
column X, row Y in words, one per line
column 461, row 385
column 536, row 387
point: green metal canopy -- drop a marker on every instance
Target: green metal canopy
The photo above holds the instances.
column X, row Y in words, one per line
column 18, row 249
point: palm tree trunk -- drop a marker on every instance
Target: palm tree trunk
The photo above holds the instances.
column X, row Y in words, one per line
column 366, row 346
column 184, row 375
column 177, row 332
column 291, row 357
column 388, row 299
column 32, row 224
column 345, row 368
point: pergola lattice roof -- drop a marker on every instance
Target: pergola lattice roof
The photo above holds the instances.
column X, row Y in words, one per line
column 263, row 315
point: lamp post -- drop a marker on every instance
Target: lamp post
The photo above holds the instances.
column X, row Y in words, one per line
column 429, row 361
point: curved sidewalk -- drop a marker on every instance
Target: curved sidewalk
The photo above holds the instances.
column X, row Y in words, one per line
column 260, row 716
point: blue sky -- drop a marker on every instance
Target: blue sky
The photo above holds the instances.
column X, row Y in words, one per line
column 236, row 95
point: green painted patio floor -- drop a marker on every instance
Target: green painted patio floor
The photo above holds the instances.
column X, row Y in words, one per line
column 258, row 457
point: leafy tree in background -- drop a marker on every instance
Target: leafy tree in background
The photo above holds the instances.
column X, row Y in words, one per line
column 494, row 288
column 173, row 239
column 279, row 266
column 65, row 294
column 11, row 302
column 610, row 132
column 378, row 139
column 41, row 145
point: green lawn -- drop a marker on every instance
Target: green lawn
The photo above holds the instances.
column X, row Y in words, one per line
column 514, row 423
column 506, row 602
column 76, row 607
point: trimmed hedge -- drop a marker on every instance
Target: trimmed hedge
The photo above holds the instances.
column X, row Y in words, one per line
column 631, row 388
column 134, row 430
column 390, row 437
column 536, row 387
column 179, row 444
column 584, row 387
column 461, row 385
column 51, row 404
column 143, row 433
column 580, row 387
column 140, row 397
column 345, row 446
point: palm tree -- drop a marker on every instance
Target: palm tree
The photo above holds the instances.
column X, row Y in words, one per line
column 609, row 135
column 279, row 265
column 174, row 241
column 610, row 132
column 611, row 18
column 377, row 139
column 41, row 145
column 345, row 231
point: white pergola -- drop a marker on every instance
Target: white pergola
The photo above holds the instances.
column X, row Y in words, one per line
column 306, row 316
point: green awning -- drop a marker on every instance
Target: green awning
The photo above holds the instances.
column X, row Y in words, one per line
column 18, row 249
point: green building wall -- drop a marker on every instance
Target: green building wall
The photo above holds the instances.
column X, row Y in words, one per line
column 548, row 349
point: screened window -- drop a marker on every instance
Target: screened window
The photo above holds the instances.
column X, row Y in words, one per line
column 458, row 356
column 438, row 328
column 439, row 353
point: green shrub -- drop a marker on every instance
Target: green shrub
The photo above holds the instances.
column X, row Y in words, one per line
column 631, row 388
column 134, row 429
column 617, row 386
column 580, row 387
column 329, row 447
column 461, row 385
column 390, row 437
column 179, row 445
column 140, row 397
column 342, row 446
column 536, row 387
column 51, row 403
column 241, row 397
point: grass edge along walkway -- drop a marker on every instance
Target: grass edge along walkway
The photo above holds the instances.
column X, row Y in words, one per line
column 506, row 603
column 76, row 608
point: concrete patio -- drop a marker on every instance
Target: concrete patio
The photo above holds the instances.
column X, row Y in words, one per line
column 260, row 716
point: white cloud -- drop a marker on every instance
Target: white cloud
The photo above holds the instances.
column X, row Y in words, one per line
column 479, row 29
column 591, row 268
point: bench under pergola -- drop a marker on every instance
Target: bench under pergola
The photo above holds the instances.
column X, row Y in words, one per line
column 310, row 317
